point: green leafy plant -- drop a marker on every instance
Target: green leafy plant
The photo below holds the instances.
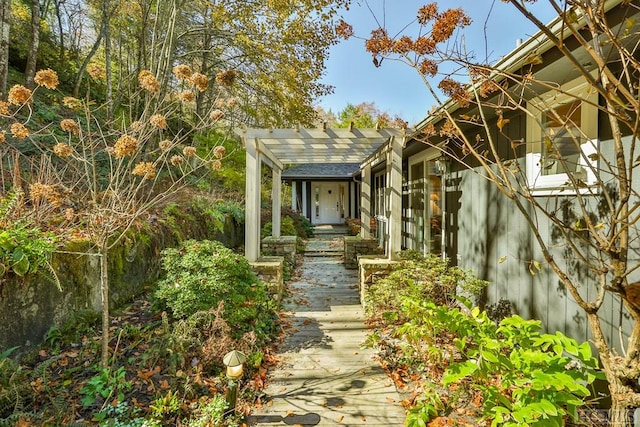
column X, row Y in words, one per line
column 211, row 412
column 27, row 250
column 164, row 406
column 525, row 377
column 81, row 323
column 201, row 274
column 24, row 248
column 286, row 228
column 231, row 208
column 120, row 415
column 419, row 277
column 106, row 384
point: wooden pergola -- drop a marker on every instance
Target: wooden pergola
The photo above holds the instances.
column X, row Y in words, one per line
column 279, row 147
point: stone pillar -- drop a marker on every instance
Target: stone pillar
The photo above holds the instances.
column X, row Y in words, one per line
column 394, row 203
column 252, row 192
column 365, row 203
column 276, row 201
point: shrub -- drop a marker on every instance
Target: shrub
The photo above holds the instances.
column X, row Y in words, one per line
column 421, row 278
column 286, row 228
column 522, row 376
column 204, row 336
column 353, row 226
column 201, row 274
column 302, row 227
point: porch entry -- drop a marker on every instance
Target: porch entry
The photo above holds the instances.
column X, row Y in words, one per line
column 328, row 202
column 426, row 207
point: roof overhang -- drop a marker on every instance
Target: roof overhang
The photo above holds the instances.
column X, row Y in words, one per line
column 303, row 145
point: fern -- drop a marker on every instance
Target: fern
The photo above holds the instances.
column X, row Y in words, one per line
column 50, row 274
column 8, row 204
column 13, row 419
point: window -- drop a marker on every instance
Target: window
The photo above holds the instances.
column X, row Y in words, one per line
column 380, row 184
column 425, row 203
column 562, row 139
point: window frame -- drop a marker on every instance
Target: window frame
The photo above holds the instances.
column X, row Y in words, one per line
column 556, row 184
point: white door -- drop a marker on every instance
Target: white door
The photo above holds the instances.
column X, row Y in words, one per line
column 327, row 207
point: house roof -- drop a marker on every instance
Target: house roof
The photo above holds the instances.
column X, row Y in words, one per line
column 526, row 52
column 321, row 171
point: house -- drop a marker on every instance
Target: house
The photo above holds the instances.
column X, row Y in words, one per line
column 326, row 193
column 556, row 146
column 417, row 195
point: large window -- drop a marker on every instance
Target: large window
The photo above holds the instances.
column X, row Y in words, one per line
column 425, row 204
column 562, row 139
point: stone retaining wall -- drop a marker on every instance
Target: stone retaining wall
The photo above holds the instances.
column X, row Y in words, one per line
column 371, row 269
column 284, row 246
column 31, row 305
column 270, row 269
column 356, row 246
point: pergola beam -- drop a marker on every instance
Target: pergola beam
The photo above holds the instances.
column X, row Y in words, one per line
column 278, row 147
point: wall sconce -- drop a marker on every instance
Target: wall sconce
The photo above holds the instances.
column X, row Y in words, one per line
column 442, row 164
column 234, row 361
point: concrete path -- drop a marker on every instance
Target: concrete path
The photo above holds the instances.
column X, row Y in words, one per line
column 326, row 378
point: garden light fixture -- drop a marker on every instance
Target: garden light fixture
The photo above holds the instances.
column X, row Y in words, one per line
column 234, row 361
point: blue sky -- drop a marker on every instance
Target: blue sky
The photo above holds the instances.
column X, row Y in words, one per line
column 395, row 87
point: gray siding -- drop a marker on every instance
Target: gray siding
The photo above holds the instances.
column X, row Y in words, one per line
column 489, row 227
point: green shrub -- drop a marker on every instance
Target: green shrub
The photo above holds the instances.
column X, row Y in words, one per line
column 421, row 278
column 25, row 249
column 286, row 228
column 201, row 274
column 524, row 377
column 302, row 227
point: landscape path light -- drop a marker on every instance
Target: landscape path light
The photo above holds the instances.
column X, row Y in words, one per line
column 234, row 361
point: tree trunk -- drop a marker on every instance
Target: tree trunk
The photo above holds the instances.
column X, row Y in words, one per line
column 619, row 413
column 32, row 55
column 107, row 59
column 83, row 66
column 104, row 290
column 5, row 24
column 61, row 52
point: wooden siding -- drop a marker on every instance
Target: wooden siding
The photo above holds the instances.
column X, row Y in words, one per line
column 490, row 227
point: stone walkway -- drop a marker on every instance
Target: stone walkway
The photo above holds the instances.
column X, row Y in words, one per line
column 325, row 377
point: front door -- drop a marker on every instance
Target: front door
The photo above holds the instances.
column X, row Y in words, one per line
column 327, row 205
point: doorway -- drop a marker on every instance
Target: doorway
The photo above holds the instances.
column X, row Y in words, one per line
column 328, row 203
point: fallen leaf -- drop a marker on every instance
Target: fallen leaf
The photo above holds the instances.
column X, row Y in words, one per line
column 340, row 418
column 391, row 400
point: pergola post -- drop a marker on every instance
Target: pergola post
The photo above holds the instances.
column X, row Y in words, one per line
column 365, row 203
column 394, row 215
column 252, row 192
column 294, row 197
column 304, row 199
column 276, row 201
